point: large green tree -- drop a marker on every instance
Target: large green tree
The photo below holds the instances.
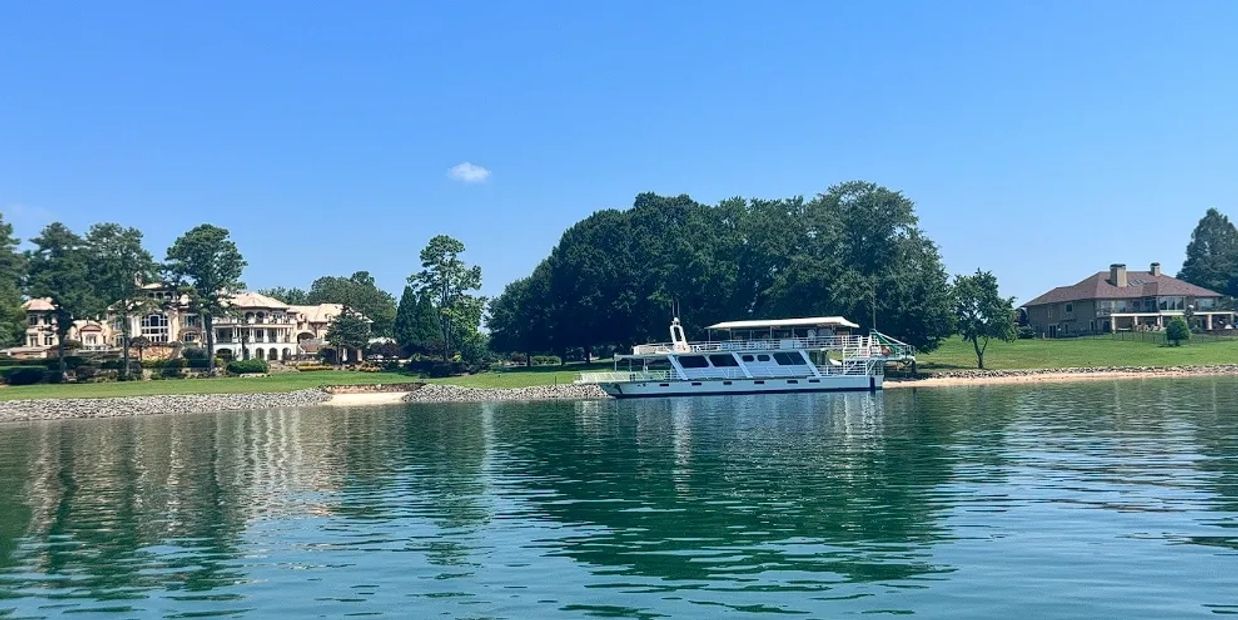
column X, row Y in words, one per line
column 359, row 292
column 981, row 313
column 450, row 283
column 208, row 261
column 12, row 272
column 616, row 277
column 290, row 295
column 60, row 270
column 1212, row 254
column 416, row 324
column 121, row 266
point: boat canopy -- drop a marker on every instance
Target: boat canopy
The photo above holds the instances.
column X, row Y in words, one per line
column 816, row 321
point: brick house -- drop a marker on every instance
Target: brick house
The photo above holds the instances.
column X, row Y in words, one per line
column 1121, row 300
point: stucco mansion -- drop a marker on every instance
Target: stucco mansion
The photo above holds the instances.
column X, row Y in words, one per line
column 254, row 326
column 1121, row 300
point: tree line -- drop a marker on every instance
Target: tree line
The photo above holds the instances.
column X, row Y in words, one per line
column 615, row 278
column 103, row 273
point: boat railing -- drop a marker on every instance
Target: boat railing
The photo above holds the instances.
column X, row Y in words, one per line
column 623, row 376
column 876, row 345
column 764, row 344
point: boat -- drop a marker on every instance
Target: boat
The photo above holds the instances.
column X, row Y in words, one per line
column 812, row 354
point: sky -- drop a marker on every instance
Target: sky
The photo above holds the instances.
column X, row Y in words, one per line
column 1039, row 140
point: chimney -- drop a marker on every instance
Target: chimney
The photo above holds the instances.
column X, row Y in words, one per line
column 1117, row 275
column 1156, row 269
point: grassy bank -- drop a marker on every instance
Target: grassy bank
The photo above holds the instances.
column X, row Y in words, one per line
column 1078, row 353
column 954, row 354
column 284, row 382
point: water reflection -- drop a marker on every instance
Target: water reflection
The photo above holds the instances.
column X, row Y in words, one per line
column 1122, row 494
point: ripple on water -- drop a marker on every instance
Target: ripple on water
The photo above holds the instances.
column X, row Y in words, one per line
column 1117, row 499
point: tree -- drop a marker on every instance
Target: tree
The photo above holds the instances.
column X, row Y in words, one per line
column 448, row 281
column 1212, row 255
column 360, row 293
column 292, row 296
column 121, row 266
column 1177, row 331
column 416, row 324
column 982, row 314
column 209, row 262
column 348, row 330
column 59, row 269
column 12, row 272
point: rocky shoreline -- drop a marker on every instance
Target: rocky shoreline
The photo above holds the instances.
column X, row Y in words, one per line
column 439, row 393
column 66, row 408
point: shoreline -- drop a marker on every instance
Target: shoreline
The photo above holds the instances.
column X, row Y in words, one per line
column 26, row 410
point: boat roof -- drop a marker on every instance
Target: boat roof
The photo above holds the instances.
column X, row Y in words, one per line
column 816, row 321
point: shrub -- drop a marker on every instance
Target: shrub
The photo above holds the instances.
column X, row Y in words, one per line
column 250, row 366
column 547, row 360
column 172, row 368
column 25, row 375
column 1026, row 332
column 195, row 353
column 437, row 368
column 1177, row 331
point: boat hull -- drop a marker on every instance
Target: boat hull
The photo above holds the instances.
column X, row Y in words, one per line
column 707, row 387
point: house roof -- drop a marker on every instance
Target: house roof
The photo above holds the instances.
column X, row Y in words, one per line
column 1139, row 284
column 255, row 300
column 39, row 304
column 320, row 313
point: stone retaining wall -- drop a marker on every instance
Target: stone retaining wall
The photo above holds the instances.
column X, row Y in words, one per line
column 64, row 408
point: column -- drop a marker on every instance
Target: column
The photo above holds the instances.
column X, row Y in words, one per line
column 1208, row 322
column 1160, row 321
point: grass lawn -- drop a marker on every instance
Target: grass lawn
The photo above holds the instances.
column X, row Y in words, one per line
column 1078, row 352
column 284, row 382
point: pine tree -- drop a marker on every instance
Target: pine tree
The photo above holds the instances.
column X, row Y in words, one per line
column 1212, row 255
column 12, row 272
column 416, row 323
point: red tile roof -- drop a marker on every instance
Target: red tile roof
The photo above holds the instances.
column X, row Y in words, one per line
column 1139, row 284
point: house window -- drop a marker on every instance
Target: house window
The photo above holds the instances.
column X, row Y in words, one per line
column 48, row 340
column 33, row 319
column 1070, row 308
column 155, row 327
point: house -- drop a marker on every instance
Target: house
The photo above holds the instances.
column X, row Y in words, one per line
column 252, row 326
column 1122, row 300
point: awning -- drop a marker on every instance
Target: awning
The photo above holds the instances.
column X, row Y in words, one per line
column 817, row 321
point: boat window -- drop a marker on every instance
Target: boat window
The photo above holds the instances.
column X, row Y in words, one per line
column 693, row 361
column 788, row 359
column 762, row 358
column 748, row 358
column 723, row 360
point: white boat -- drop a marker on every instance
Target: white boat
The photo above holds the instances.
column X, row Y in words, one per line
column 815, row 354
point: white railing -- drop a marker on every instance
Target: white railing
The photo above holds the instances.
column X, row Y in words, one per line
column 765, row 344
column 849, row 346
column 623, row 376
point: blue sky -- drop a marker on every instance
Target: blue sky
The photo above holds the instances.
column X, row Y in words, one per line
column 1041, row 140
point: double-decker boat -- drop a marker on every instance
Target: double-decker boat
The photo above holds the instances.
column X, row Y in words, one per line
column 815, row 354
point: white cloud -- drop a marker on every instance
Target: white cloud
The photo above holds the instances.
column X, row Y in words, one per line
column 468, row 172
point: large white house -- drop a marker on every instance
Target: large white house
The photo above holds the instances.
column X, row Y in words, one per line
column 253, row 326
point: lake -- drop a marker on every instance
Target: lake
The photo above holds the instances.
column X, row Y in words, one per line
column 1115, row 499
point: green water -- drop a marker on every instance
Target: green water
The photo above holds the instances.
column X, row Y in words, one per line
column 1089, row 500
